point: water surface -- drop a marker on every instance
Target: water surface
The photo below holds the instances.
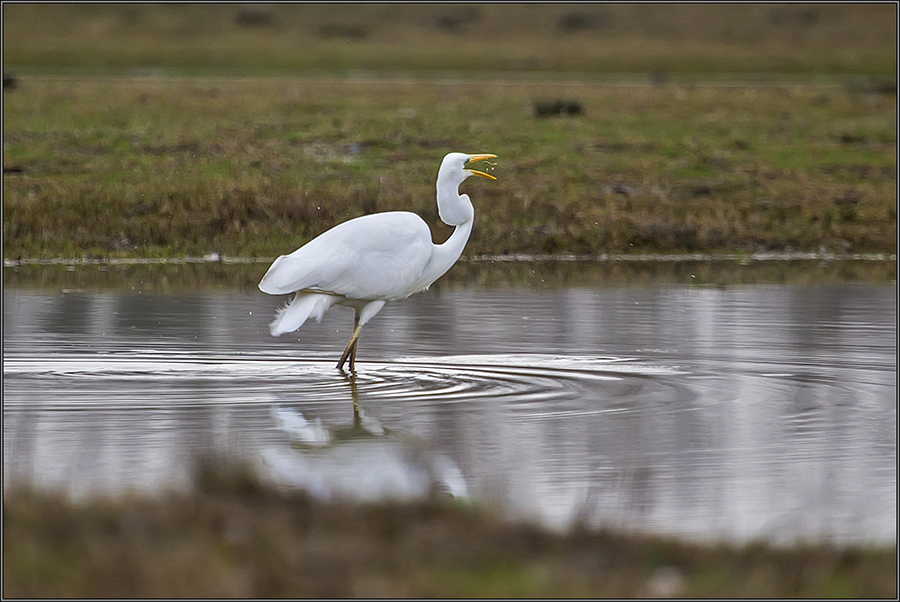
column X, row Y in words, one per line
column 739, row 412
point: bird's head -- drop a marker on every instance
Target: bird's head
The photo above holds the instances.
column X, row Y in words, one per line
column 455, row 167
column 453, row 207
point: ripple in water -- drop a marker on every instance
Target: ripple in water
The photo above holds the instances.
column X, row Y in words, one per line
column 709, row 414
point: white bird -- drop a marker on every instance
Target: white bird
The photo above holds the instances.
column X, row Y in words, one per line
column 367, row 261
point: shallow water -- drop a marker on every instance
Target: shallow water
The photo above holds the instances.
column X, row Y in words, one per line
column 763, row 411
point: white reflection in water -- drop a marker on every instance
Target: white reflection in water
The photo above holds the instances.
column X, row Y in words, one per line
column 745, row 413
column 363, row 460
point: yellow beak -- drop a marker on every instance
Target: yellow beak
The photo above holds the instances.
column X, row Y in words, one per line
column 475, row 172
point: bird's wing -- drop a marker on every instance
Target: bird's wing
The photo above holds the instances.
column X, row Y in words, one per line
column 378, row 256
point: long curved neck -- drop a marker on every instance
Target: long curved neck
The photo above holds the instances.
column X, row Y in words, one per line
column 443, row 256
column 455, row 210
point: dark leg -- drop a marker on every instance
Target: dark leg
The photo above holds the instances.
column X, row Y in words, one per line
column 353, row 357
column 350, row 351
column 357, row 330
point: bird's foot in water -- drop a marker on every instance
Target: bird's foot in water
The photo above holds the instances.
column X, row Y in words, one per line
column 349, row 354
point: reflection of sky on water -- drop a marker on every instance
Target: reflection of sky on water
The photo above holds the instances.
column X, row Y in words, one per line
column 746, row 412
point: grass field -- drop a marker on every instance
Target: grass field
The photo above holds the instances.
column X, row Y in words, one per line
column 359, row 103
column 254, row 167
column 589, row 38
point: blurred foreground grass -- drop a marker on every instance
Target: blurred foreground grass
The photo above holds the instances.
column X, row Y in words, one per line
column 235, row 537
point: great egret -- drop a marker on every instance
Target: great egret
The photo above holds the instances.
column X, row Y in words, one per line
column 367, row 261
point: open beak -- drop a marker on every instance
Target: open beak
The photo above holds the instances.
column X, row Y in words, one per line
column 475, row 172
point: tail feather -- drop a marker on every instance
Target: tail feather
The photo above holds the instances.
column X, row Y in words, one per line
column 279, row 278
column 302, row 307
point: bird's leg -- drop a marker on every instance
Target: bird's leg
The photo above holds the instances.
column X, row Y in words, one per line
column 356, row 329
column 353, row 357
column 350, row 347
column 350, row 351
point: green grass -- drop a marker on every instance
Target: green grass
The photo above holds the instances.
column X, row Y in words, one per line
column 549, row 38
column 358, row 103
column 235, row 537
column 255, row 167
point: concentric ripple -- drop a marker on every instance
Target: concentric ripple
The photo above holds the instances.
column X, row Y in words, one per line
column 149, row 378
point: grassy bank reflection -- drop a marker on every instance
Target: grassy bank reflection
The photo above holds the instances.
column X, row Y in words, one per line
column 166, row 278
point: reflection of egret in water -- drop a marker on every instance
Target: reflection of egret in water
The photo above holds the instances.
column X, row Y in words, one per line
column 363, row 460
column 312, row 433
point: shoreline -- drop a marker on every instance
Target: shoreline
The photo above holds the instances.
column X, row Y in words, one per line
column 742, row 258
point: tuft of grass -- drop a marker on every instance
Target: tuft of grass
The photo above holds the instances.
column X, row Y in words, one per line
column 255, row 167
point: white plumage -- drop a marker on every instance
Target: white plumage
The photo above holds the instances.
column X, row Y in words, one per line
column 368, row 261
